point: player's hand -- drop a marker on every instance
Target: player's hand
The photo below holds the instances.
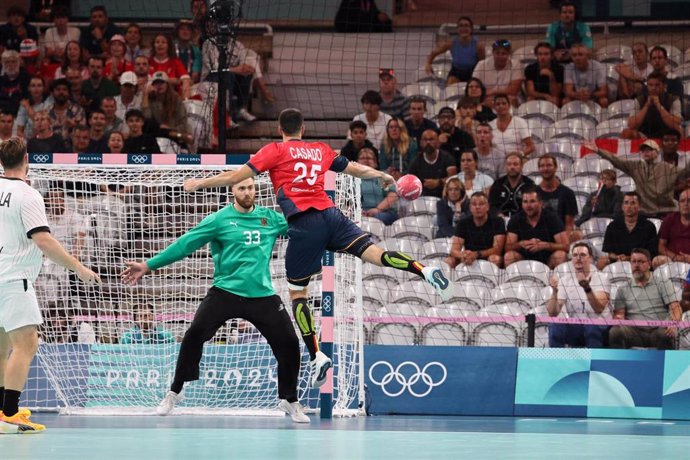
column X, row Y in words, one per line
column 87, row 276
column 192, row 185
column 386, row 180
column 590, row 145
column 134, row 272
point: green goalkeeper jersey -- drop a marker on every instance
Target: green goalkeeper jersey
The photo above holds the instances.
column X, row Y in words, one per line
column 241, row 246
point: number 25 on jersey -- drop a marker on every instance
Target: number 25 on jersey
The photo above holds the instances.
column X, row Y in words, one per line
column 301, row 169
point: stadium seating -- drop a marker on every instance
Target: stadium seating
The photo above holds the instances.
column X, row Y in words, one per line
column 611, row 128
column 562, row 148
column 438, row 248
column 620, row 109
column 583, row 185
column 527, row 273
column 416, row 293
column 374, row 294
column 520, row 297
column 496, row 334
column 677, row 272
column 469, row 299
column 415, row 227
column 538, row 109
column 397, row 333
column 571, row 128
column 385, row 276
column 407, row 245
column 596, row 226
column 481, row 271
column 422, row 206
column 538, row 129
column 591, row 165
column 444, row 334
column 614, row 54
column 675, row 55
column 524, row 55
column 618, row 272
column 427, row 90
column 626, row 183
column 455, row 92
column 589, row 111
column 374, row 227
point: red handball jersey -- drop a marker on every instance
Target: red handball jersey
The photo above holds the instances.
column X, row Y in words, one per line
column 297, row 170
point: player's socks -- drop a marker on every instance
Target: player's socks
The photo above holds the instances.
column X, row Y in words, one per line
column 401, row 261
column 305, row 322
column 2, row 396
column 10, row 405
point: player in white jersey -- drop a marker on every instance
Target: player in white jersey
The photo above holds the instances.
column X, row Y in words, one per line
column 24, row 237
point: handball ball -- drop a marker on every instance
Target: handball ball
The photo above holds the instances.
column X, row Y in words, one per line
column 409, row 187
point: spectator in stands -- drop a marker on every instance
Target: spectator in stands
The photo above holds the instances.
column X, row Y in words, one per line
column 392, row 100
column 198, row 8
column 16, row 29
column 29, row 52
column 73, row 77
column 647, row 298
column 116, row 63
column 29, row 106
column 674, row 234
column 628, row 231
column 585, row 78
column 417, row 123
column 73, row 57
column 605, row 201
column 145, row 330
column 631, row 78
column 43, row 10
column 375, row 120
column 112, row 122
column 510, row 133
column 134, row 45
column 658, row 57
column 64, row 114
column 536, row 233
column 95, row 37
column 556, row 196
column 57, row 37
column 499, row 74
column 14, row 82
column 480, row 235
column 505, row 195
column 473, row 180
column 398, row 150
column 655, row 113
column 164, row 106
column 544, row 78
column 43, row 138
column 433, row 167
column 585, row 295
column 116, row 142
column 465, row 50
column 98, row 140
column 163, row 60
column 185, row 49
column 361, row 16
column 563, row 34
column 669, row 147
column 377, row 202
column 476, row 91
column 453, row 140
column 358, row 140
column 451, row 207
column 97, row 87
column 142, row 66
column 654, row 181
column 491, row 161
column 6, row 125
column 465, row 112
column 80, row 139
column 129, row 98
column 137, row 141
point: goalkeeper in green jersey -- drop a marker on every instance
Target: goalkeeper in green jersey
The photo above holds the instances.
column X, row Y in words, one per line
column 241, row 238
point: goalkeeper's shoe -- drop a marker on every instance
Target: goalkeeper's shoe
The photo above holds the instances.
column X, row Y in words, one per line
column 294, row 410
column 22, row 410
column 319, row 368
column 168, row 403
column 435, row 277
column 19, row 423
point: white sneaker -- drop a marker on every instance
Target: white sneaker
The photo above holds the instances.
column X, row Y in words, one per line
column 243, row 114
column 294, row 410
column 319, row 367
column 435, row 277
column 168, row 403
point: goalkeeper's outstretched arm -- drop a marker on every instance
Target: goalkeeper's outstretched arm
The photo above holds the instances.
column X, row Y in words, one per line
column 365, row 172
column 224, row 179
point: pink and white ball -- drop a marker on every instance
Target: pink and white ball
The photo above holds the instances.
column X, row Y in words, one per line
column 409, row 187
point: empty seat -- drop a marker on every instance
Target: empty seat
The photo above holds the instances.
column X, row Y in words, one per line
column 416, row 227
column 521, row 299
column 590, row 111
column 591, row 165
column 455, row 91
column 596, row 226
column 444, row 334
column 527, row 272
column 438, row 248
column 481, row 271
column 614, row 54
column 407, row 245
column 426, row 90
column 677, row 272
column 563, row 148
column 571, row 128
column 374, row 227
column 539, row 128
column 384, row 275
column 618, row 272
column 422, row 206
column 544, row 110
column 611, row 128
column 469, row 298
column 497, row 333
column 581, row 185
column 621, row 109
column 626, row 183
column 374, row 294
column 415, row 292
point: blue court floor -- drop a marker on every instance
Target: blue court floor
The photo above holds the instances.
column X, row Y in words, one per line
column 389, row 437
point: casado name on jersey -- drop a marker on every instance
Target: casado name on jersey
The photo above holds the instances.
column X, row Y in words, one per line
column 304, row 153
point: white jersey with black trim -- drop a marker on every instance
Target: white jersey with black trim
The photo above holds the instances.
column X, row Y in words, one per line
column 22, row 213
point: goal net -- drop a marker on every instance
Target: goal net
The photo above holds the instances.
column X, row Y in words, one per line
column 107, row 215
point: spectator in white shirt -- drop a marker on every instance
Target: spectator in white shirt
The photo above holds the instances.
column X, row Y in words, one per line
column 56, row 38
column 499, row 73
column 375, row 120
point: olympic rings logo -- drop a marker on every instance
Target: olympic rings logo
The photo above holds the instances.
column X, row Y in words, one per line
column 41, row 158
column 326, row 303
column 413, row 382
column 139, row 159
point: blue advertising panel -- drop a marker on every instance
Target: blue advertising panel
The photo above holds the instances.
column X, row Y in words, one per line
column 440, row 380
column 676, row 397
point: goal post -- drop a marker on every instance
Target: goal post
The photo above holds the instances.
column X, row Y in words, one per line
column 109, row 208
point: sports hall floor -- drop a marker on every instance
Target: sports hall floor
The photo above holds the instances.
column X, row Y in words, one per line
column 379, row 437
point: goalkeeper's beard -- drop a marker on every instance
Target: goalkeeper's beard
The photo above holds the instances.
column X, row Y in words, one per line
column 245, row 203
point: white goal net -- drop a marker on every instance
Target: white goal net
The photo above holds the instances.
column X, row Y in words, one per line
column 107, row 215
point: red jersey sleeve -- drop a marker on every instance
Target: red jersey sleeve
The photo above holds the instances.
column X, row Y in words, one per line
column 264, row 159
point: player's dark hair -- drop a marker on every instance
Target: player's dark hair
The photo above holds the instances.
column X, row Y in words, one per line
column 358, row 124
column 290, row 121
column 12, row 152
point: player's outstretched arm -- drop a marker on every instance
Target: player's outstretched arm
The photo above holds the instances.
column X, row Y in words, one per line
column 55, row 252
column 134, row 272
column 365, row 172
column 224, row 179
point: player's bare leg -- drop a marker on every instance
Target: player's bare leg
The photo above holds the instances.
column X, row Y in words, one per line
column 24, row 342
column 401, row 261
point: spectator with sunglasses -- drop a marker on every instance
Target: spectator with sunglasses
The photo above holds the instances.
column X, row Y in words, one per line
column 499, row 73
column 563, row 34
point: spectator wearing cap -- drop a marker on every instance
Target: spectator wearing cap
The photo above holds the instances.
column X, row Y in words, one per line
column 64, row 114
column 358, row 140
column 674, row 234
column 95, row 37
column 28, row 51
column 137, row 141
column 116, row 63
column 416, row 124
column 162, row 105
column 499, row 73
column 14, row 82
column 654, row 181
column 655, row 113
column 129, row 98
column 585, row 78
column 511, row 133
column 465, row 50
column 453, row 140
column 563, row 34
column 163, row 59
column 134, row 45
column 544, row 78
column 16, row 29
column 57, row 37
column 372, row 116
column 185, row 49
column 361, row 16
column 392, row 100
column 97, row 87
